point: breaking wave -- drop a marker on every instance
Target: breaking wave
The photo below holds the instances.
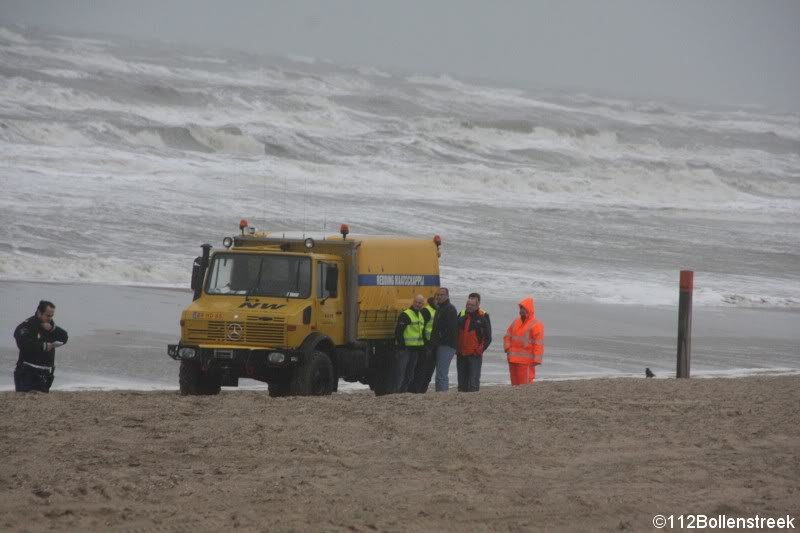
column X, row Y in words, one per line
column 162, row 144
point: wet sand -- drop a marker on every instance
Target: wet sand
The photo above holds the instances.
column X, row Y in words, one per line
column 118, row 337
column 604, row 454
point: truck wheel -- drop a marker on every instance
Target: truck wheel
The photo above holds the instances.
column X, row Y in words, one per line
column 315, row 377
column 194, row 381
column 189, row 378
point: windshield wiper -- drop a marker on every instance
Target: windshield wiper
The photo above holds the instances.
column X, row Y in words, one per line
column 254, row 288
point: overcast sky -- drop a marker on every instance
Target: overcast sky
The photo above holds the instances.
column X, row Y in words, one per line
column 723, row 51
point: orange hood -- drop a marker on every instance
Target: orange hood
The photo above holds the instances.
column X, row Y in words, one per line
column 529, row 306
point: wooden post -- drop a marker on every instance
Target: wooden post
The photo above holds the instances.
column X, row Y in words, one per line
column 685, row 323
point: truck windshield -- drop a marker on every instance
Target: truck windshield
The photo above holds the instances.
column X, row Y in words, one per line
column 260, row 275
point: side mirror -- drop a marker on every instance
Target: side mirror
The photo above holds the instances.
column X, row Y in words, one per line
column 197, row 274
column 199, row 271
column 332, row 281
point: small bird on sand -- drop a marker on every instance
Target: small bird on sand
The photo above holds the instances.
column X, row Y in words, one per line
column 649, row 373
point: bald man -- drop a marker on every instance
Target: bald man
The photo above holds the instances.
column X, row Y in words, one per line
column 410, row 341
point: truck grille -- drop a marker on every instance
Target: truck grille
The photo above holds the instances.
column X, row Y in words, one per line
column 253, row 331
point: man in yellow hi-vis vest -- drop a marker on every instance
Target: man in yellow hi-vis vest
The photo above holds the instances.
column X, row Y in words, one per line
column 410, row 337
column 426, row 362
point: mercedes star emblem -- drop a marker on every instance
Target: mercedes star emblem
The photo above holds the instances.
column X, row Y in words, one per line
column 234, row 331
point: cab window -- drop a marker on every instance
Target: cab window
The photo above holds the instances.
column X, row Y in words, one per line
column 327, row 280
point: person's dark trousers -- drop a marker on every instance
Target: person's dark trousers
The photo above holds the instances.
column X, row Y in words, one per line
column 407, row 360
column 28, row 381
column 469, row 373
column 423, row 373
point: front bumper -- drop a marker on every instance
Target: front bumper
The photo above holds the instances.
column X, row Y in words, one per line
column 224, row 356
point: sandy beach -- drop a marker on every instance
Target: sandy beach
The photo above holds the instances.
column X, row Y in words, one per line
column 570, row 455
column 563, row 454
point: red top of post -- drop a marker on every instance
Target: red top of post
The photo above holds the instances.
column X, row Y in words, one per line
column 687, row 280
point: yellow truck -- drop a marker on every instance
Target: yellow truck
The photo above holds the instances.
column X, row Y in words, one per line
column 298, row 313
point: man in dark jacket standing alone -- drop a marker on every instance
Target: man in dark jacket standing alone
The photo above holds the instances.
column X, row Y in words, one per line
column 37, row 339
column 444, row 337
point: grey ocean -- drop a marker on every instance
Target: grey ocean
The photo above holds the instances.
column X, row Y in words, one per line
column 120, row 158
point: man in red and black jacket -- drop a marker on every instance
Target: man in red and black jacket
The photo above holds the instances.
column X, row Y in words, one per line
column 474, row 336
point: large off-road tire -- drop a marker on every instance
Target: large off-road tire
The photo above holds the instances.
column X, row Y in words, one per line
column 314, row 377
column 193, row 380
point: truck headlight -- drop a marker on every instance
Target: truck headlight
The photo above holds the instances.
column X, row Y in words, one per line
column 276, row 357
column 187, row 353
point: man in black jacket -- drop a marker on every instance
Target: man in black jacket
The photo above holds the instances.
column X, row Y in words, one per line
column 444, row 337
column 37, row 339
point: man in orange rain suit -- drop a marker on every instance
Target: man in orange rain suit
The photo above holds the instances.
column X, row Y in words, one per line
column 524, row 344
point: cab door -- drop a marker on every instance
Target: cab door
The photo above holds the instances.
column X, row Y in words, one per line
column 330, row 300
